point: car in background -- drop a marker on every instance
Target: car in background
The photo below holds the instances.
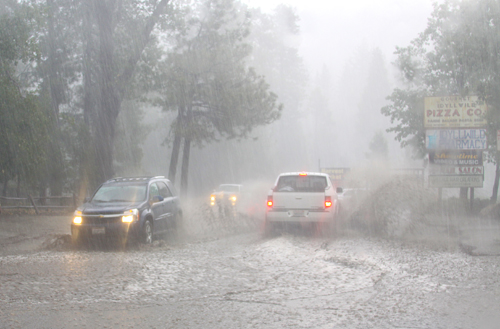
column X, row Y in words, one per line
column 303, row 198
column 226, row 196
column 134, row 208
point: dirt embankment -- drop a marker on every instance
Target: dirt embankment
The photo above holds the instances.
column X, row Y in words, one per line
column 26, row 232
column 404, row 209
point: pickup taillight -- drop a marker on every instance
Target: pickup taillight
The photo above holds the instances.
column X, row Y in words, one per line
column 328, row 201
column 269, row 201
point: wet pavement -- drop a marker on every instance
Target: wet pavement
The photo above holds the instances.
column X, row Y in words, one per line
column 232, row 277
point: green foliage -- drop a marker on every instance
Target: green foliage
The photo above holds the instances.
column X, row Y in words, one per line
column 206, row 80
column 23, row 134
column 23, row 118
column 457, row 54
column 16, row 44
column 407, row 111
column 378, row 147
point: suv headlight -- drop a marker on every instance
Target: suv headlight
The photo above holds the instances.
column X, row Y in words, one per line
column 130, row 216
column 77, row 219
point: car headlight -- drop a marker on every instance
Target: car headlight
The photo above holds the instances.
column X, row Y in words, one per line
column 233, row 198
column 130, row 216
column 77, row 219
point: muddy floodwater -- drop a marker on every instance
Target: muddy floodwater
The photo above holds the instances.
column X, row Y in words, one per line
column 222, row 273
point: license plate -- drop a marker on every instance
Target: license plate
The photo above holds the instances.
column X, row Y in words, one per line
column 299, row 213
column 98, row 230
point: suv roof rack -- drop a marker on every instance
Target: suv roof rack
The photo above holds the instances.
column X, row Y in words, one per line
column 132, row 179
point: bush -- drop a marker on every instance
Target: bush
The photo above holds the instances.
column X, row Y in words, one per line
column 394, row 208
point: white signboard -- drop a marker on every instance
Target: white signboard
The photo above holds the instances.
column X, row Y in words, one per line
column 451, row 170
column 454, row 112
column 455, row 181
column 456, row 139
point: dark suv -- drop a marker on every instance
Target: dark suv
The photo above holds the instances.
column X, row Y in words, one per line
column 128, row 208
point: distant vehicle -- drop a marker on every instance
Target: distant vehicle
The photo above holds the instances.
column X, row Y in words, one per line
column 305, row 198
column 128, row 208
column 226, row 196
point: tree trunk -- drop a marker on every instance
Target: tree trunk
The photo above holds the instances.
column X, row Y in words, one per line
column 113, row 85
column 55, row 85
column 55, row 167
column 185, row 167
column 174, row 159
column 494, row 195
column 172, row 170
column 109, row 102
column 88, row 179
column 89, row 92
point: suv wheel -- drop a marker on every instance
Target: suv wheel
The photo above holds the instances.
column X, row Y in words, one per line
column 147, row 232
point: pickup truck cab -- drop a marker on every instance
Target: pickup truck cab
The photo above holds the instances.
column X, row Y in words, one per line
column 305, row 198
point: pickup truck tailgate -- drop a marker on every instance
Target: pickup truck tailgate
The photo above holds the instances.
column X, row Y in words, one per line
column 298, row 200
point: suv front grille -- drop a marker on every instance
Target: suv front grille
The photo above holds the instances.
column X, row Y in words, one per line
column 96, row 219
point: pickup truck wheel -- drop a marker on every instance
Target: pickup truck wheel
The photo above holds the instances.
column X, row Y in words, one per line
column 147, row 232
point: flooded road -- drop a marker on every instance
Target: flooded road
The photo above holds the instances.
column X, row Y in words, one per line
column 242, row 280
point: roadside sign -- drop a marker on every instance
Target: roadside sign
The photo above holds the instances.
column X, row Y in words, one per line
column 336, row 173
column 456, row 158
column 449, row 181
column 452, row 170
column 455, row 139
column 454, row 112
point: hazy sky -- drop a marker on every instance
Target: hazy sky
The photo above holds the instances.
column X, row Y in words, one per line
column 332, row 30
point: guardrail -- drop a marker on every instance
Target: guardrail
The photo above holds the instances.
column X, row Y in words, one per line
column 38, row 203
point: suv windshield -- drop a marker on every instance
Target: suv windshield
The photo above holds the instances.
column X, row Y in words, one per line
column 121, row 193
column 297, row 183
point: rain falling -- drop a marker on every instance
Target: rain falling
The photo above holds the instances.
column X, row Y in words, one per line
column 249, row 164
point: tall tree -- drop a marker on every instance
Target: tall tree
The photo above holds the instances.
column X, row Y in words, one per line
column 136, row 19
column 275, row 39
column 376, row 89
column 206, row 81
column 378, row 147
column 23, row 125
column 57, row 70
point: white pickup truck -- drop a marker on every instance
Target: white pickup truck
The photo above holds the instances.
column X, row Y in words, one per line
column 304, row 198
